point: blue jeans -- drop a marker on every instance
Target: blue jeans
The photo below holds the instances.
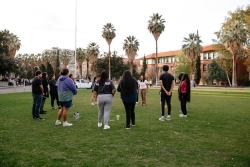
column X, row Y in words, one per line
column 37, row 102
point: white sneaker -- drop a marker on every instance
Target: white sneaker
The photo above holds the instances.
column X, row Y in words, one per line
column 168, row 118
column 66, row 124
column 161, row 119
column 99, row 125
column 58, row 122
column 181, row 115
column 106, row 127
column 92, row 103
column 95, row 102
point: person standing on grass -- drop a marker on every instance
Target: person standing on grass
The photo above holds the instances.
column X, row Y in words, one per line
column 45, row 83
column 184, row 94
column 53, row 92
column 37, row 93
column 143, row 86
column 104, row 90
column 66, row 92
column 94, row 98
column 128, row 87
column 167, row 86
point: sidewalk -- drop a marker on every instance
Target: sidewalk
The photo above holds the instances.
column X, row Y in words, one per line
column 12, row 89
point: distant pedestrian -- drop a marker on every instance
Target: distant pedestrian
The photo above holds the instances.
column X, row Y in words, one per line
column 150, row 83
column 94, row 97
column 53, row 92
column 66, row 92
column 128, row 87
column 167, row 86
column 143, row 87
column 104, row 90
column 184, row 94
column 37, row 93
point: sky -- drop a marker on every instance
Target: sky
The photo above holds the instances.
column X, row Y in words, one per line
column 43, row 24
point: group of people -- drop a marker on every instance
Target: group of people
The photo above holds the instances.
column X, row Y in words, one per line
column 62, row 91
column 104, row 91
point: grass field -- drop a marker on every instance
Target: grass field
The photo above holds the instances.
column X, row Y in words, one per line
column 216, row 133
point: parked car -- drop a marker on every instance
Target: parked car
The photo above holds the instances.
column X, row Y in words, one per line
column 83, row 83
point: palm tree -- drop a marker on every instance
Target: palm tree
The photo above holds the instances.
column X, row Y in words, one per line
column 234, row 37
column 80, row 57
column 92, row 53
column 156, row 27
column 12, row 41
column 131, row 46
column 45, row 58
column 65, row 57
column 108, row 33
column 192, row 48
column 52, row 58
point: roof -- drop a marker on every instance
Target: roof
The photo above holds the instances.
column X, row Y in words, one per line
column 175, row 52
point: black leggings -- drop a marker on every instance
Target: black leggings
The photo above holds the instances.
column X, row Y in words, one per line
column 183, row 97
column 165, row 98
column 54, row 96
column 130, row 112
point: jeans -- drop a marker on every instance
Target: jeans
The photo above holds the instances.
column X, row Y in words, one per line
column 37, row 102
column 165, row 98
column 130, row 112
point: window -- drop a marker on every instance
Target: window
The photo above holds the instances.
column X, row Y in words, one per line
column 215, row 55
column 166, row 60
column 204, row 67
column 209, row 55
column 172, row 59
column 204, row 56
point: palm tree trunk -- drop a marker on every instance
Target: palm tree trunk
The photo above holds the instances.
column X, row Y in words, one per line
column 80, row 70
column 87, row 69
column 156, row 59
column 131, row 67
column 109, row 63
column 234, row 77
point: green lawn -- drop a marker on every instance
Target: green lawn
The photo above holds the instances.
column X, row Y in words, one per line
column 215, row 133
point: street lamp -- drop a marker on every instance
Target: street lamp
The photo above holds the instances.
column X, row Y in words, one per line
column 174, row 63
column 75, row 34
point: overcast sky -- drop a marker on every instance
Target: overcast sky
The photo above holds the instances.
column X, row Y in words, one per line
column 43, row 24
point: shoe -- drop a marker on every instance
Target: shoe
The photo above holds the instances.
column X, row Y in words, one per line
column 181, row 115
column 127, row 127
column 59, row 108
column 136, row 104
column 99, row 125
column 72, row 105
column 95, row 102
column 42, row 112
column 92, row 103
column 133, row 125
column 40, row 119
column 53, row 108
column 168, row 118
column 161, row 119
column 58, row 122
column 66, row 124
column 106, row 127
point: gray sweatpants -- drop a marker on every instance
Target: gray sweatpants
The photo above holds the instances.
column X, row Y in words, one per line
column 104, row 102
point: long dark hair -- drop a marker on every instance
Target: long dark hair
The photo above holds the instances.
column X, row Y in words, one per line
column 104, row 76
column 186, row 77
column 127, row 82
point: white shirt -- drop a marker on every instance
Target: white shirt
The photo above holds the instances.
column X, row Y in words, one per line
column 143, row 85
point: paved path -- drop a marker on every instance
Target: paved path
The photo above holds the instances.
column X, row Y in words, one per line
column 11, row 89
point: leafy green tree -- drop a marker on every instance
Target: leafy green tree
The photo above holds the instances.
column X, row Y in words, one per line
column 215, row 72
column 57, row 69
column 144, row 66
column 49, row 69
column 182, row 63
column 30, row 74
column 92, row 53
column 108, row 33
column 43, row 68
column 197, row 73
column 156, row 27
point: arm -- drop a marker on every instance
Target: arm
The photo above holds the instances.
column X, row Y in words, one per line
column 113, row 92
column 41, row 88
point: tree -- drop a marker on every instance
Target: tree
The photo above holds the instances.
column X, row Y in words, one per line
column 192, row 48
column 92, row 53
column 65, row 57
column 50, row 69
column 224, row 59
column 80, row 57
column 234, row 35
column 108, row 33
column 57, row 69
column 182, row 63
column 215, row 72
column 144, row 66
column 131, row 46
column 156, row 27
column 197, row 70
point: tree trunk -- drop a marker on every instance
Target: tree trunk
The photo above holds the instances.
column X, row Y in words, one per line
column 80, row 70
column 131, row 67
column 229, row 82
column 109, row 63
column 234, row 77
column 156, row 63
column 192, row 73
column 87, row 70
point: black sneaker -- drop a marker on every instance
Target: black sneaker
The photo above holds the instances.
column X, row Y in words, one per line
column 127, row 127
column 42, row 112
column 40, row 119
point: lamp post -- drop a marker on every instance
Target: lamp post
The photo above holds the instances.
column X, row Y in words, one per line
column 174, row 64
column 75, row 34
